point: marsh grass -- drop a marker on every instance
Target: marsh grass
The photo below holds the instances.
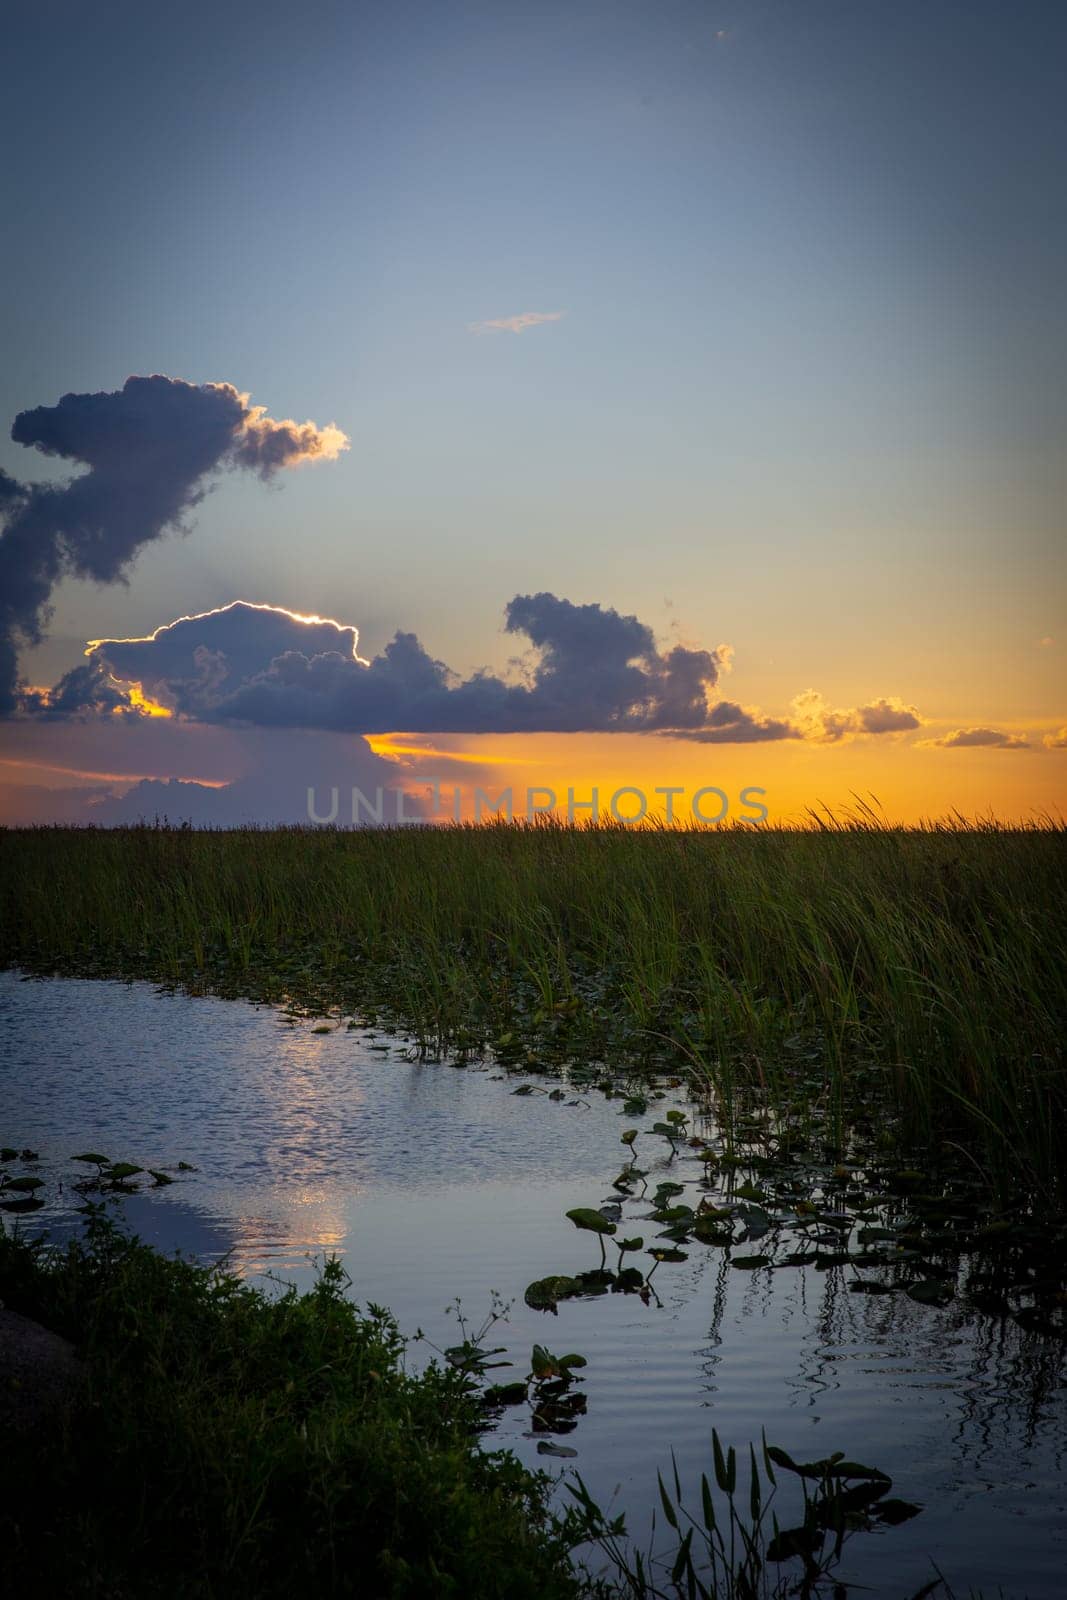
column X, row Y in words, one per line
column 916, row 972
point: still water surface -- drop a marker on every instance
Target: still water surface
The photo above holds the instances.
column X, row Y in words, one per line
column 434, row 1182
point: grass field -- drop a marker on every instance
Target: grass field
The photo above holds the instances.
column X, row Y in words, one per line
column 835, row 969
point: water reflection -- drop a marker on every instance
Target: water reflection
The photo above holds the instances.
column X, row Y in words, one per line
column 433, row 1183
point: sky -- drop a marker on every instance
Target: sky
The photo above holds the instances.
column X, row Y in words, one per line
column 665, row 394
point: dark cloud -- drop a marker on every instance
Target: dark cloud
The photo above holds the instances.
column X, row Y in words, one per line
column 886, row 716
column 83, row 692
column 593, row 670
column 979, row 739
column 729, row 723
column 148, row 447
column 588, row 669
column 195, row 663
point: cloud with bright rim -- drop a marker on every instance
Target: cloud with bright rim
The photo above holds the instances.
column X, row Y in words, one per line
column 588, row 669
column 151, row 447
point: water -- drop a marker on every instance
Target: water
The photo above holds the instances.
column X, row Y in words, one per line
column 435, row 1182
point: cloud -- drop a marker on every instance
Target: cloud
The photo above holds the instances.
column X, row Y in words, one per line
column 592, row 670
column 228, row 778
column 148, row 447
column 83, row 692
column 196, row 662
column 729, row 723
column 587, row 669
column 519, row 324
column 816, row 720
column 977, row 739
column 1056, row 741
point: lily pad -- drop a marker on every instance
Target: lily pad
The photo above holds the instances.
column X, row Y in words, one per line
column 930, row 1292
column 893, row 1511
column 504, row 1394
column 591, row 1221
column 544, row 1294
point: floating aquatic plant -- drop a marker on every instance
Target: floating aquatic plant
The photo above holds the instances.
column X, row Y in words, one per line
column 591, row 1221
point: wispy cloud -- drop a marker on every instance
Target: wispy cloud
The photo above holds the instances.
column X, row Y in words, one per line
column 519, row 324
column 1056, row 741
column 977, row 739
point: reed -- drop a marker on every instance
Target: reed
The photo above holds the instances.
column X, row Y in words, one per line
column 842, row 966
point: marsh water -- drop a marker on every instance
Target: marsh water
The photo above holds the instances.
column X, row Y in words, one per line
column 435, row 1181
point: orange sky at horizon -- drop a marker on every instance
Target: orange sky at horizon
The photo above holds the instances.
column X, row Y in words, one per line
column 909, row 784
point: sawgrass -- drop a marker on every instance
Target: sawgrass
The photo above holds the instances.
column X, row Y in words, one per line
column 845, row 965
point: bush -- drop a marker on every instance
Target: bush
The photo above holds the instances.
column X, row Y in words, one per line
column 233, row 1443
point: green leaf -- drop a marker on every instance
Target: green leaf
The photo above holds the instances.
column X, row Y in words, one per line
column 505, row 1394
column 895, row 1511
column 668, row 1510
column 708, row 1503
column 719, row 1460
column 853, row 1469
column 545, row 1293
column 123, row 1170
column 708, row 1231
column 930, row 1292
column 682, row 1561
column 585, row 1217
column 543, row 1363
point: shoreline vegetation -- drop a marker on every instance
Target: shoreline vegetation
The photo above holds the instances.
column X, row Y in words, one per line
column 218, row 1440
column 909, row 978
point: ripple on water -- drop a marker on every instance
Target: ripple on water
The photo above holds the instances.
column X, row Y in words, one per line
column 435, row 1183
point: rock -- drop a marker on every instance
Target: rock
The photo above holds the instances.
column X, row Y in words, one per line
column 39, row 1375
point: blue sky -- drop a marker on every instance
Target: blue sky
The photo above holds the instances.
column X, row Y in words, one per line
column 808, row 386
